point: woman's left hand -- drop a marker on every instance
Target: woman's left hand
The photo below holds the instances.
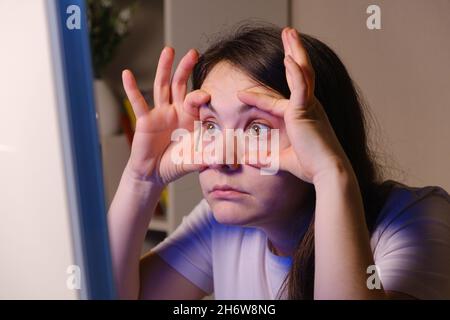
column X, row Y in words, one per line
column 315, row 149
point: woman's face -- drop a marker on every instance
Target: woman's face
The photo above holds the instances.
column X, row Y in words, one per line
column 261, row 199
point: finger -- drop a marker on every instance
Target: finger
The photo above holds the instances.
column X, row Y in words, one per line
column 299, row 87
column 192, row 167
column 285, row 40
column 286, row 158
column 181, row 76
column 273, row 105
column 194, row 100
column 161, row 86
column 196, row 158
column 181, row 157
column 257, row 158
column 301, row 57
column 287, row 51
column 289, row 162
column 137, row 101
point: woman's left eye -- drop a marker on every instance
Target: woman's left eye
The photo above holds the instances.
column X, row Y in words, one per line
column 257, row 129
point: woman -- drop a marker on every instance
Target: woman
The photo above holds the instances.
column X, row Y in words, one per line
column 315, row 229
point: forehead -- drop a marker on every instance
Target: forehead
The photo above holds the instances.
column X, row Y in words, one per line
column 225, row 79
column 222, row 83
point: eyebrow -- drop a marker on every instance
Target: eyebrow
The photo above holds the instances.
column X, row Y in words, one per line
column 241, row 109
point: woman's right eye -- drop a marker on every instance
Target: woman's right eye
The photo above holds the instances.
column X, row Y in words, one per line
column 210, row 126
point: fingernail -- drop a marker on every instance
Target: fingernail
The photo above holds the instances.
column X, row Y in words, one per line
column 193, row 52
column 126, row 71
column 293, row 33
column 167, row 49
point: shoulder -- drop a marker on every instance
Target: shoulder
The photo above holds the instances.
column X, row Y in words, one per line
column 411, row 241
column 406, row 204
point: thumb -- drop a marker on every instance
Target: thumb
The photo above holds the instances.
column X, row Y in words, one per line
column 181, row 157
column 265, row 160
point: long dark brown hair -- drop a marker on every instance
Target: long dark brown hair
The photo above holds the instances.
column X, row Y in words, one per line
column 257, row 50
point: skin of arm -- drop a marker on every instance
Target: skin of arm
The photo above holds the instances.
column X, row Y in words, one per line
column 342, row 243
column 128, row 218
column 136, row 277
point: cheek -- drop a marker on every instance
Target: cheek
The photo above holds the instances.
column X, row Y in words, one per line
column 267, row 189
column 278, row 193
column 206, row 180
column 277, row 142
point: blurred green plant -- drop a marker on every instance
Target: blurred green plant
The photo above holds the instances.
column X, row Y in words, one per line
column 108, row 26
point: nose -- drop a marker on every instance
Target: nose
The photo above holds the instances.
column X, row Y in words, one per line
column 228, row 163
column 226, row 167
column 229, row 156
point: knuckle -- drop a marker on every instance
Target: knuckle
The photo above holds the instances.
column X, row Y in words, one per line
column 178, row 82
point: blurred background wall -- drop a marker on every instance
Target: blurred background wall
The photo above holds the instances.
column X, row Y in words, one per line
column 403, row 70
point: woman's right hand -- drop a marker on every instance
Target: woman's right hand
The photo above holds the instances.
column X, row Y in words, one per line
column 150, row 158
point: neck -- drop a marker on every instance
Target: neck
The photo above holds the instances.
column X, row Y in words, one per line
column 283, row 237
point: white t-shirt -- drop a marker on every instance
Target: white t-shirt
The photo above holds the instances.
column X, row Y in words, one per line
column 410, row 243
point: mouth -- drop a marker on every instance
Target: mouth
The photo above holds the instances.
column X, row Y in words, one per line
column 226, row 192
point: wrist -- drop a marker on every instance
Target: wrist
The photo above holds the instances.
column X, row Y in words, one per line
column 339, row 173
column 339, row 188
column 136, row 182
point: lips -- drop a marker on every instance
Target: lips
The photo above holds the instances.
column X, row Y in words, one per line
column 226, row 187
column 227, row 192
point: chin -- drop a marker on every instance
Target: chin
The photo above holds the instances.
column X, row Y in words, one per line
column 230, row 212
